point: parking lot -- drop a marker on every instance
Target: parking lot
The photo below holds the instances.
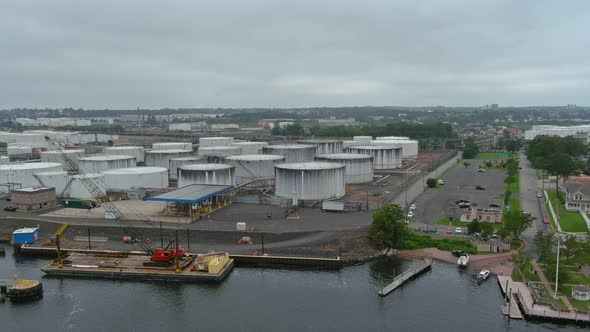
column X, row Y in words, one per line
column 460, row 183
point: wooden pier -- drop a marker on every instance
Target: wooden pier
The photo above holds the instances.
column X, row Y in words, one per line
column 399, row 280
column 521, row 297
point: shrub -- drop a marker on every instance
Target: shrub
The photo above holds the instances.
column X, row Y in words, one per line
column 431, row 182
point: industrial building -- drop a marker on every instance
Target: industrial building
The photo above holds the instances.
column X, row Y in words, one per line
column 309, row 180
column 254, row 167
column 33, row 198
column 195, row 200
column 205, row 142
column 173, row 146
column 384, row 156
column 358, row 168
column 293, row 153
column 561, row 131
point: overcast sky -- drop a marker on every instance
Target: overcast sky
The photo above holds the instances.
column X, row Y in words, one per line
column 298, row 53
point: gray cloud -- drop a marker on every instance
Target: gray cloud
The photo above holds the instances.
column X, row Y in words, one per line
column 124, row 54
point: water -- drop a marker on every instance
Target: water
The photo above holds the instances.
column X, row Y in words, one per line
column 444, row 299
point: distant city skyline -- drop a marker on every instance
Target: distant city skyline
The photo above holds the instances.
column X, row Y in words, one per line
column 269, row 54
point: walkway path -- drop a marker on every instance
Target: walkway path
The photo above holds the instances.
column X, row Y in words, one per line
column 585, row 216
column 552, row 211
column 548, row 286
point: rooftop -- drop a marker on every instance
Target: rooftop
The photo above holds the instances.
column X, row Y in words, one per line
column 25, row 230
column 192, row 194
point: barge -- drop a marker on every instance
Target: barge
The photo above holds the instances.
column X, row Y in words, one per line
column 213, row 267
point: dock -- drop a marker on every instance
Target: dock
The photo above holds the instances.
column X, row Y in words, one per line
column 399, row 280
column 521, row 299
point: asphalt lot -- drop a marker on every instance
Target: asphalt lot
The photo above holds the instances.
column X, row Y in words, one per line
column 460, row 183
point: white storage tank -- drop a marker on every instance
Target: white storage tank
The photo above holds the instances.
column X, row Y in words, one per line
column 177, row 162
column 55, row 179
column 123, row 179
column 324, row 146
column 78, row 190
column 95, row 164
column 220, row 151
column 19, row 151
column 161, row 158
column 20, row 175
column 250, row 147
column 254, row 166
column 309, row 180
column 54, row 156
column 205, row 142
column 391, row 138
column 409, row 147
column 220, row 174
column 384, row 156
column 136, row 151
column 363, row 139
column 346, row 144
column 293, row 153
column 358, row 167
column 173, row 146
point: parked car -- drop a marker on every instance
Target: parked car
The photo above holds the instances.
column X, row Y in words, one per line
column 496, row 205
column 464, row 205
column 457, row 253
column 413, row 207
column 449, row 230
column 10, row 209
column 410, row 215
column 481, row 170
column 425, row 229
column 441, row 182
column 8, row 199
column 461, row 201
column 546, row 221
column 458, row 230
column 433, row 230
column 539, row 195
column 478, row 187
column 417, row 229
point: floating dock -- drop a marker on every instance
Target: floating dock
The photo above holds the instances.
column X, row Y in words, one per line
column 399, row 280
column 120, row 265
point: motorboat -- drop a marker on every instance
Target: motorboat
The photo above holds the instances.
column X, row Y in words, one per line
column 483, row 276
column 463, row 260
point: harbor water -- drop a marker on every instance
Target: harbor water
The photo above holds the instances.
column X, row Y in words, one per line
column 253, row 299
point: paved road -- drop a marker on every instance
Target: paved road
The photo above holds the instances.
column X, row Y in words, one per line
column 460, row 183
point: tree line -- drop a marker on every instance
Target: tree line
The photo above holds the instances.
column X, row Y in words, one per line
column 412, row 130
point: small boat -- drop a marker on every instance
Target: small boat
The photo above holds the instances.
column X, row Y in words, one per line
column 483, row 276
column 463, row 260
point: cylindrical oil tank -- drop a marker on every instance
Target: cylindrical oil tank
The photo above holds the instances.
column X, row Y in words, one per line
column 161, row 158
column 409, row 146
column 136, row 151
column 293, row 153
column 221, row 151
column 177, row 162
column 55, row 179
column 77, row 189
column 358, row 167
column 324, row 146
column 205, row 142
column 254, row 166
column 20, row 175
column 19, row 151
column 384, row 156
column 123, row 179
column 220, row 174
column 391, row 138
column 173, row 146
column 363, row 139
column 56, row 157
column 95, row 164
column 346, row 144
column 250, row 147
column 309, row 180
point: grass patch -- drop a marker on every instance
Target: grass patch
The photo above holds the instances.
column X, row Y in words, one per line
column 493, row 155
column 569, row 221
column 579, row 305
column 415, row 241
column 526, row 273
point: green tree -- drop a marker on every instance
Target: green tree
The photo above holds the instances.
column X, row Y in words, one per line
column 573, row 247
column 388, row 228
column 470, row 149
column 515, row 222
column 466, row 163
column 520, row 261
column 487, row 229
column 513, row 145
column 431, row 182
column 474, row 227
column 507, row 195
column 544, row 244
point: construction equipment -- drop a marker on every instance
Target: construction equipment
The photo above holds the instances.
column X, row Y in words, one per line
column 156, row 255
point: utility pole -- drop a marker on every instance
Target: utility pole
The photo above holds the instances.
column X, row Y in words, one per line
column 406, row 175
column 557, row 266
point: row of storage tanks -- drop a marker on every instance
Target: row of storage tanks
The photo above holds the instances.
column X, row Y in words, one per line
column 312, row 169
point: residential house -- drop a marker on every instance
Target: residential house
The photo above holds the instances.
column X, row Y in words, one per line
column 577, row 193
